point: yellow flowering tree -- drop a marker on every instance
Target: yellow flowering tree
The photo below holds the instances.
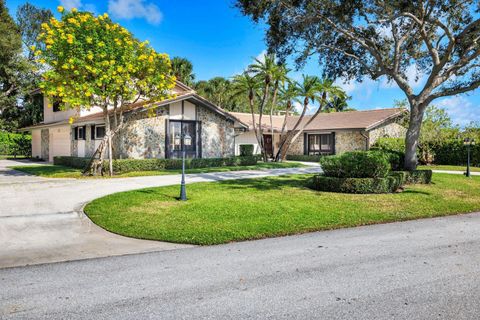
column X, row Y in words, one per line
column 92, row 61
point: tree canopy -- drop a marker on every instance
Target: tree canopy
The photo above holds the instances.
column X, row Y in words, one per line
column 93, row 61
column 354, row 39
column 183, row 70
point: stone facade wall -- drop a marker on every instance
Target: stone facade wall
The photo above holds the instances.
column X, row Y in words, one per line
column 143, row 137
column 296, row 148
column 349, row 141
column 45, row 144
column 392, row 130
column 217, row 134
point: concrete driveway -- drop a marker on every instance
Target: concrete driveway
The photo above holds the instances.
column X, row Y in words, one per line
column 41, row 218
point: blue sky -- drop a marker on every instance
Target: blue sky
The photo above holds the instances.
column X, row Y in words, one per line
column 221, row 42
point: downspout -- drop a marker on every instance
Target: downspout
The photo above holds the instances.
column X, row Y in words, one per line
column 367, row 139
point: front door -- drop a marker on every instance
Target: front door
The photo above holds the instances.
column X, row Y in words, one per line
column 178, row 130
column 268, row 141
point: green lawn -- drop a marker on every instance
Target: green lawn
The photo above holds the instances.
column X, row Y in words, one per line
column 6, row 156
column 55, row 171
column 237, row 210
column 452, row 168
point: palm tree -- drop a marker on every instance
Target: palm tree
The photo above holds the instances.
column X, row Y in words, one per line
column 288, row 95
column 182, row 69
column 339, row 104
column 265, row 71
column 246, row 85
column 311, row 90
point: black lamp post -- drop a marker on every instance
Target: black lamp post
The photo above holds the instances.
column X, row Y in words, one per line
column 468, row 142
column 187, row 141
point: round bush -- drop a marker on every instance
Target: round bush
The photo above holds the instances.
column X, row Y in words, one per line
column 357, row 164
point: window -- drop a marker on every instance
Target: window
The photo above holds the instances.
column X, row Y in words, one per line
column 56, row 106
column 79, row 133
column 178, row 130
column 320, row 144
column 99, row 132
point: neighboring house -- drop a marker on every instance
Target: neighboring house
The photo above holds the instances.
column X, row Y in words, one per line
column 212, row 130
column 328, row 133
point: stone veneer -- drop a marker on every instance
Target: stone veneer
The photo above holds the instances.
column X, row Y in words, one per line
column 45, row 142
column 392, row 130
column 217, row 134
column 143, row 137
column 350, row 141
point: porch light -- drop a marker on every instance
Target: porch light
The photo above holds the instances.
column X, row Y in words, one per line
column 468, row 143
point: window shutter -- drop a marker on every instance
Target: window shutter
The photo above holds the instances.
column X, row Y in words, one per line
column 167, row 139
column 75, row 133
column 333, row 142
column 305, row 144
column 92, row 132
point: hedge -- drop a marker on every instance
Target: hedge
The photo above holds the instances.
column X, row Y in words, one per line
column 451, row 152
column 391, row 183
column 303, row 157
column 15, row 144
column 357, row 164
column 356, row 185
column 129, row 165
column 73, row 162
column 246, row 150
column 455, row 153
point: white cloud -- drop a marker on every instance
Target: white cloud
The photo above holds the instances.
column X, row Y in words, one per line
column 90, row 8
column 70, row 4
column 461, row 110
column 363, row 89
column 414, row 77
column 131, row 9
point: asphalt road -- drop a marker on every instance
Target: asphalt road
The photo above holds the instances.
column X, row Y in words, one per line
column 425, row 269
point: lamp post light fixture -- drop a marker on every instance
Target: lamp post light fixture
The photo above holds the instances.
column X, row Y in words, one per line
column 187, row 141
column 468, row 142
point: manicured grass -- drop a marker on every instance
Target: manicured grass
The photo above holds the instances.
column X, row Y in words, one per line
column 6, row 156
column 56, row 171
column 452, row 168
column 237, row 210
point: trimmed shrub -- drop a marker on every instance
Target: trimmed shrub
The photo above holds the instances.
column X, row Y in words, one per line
column 356, row 185
column 73, row 162
column 303, row 157
column 15, row 144
column 394, row 148
column 390, row 144
column 417, row 176
column 246, row 150
column 357, row 164
column 129, row 165
column 453, row 152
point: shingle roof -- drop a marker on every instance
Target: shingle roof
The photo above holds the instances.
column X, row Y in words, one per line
column 359, row 120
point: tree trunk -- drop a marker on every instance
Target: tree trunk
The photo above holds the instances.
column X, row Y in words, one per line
column 95, row 166
column 413, row 135
column 110, row 155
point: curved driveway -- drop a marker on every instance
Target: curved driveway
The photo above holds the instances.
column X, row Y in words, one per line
column 41, row 219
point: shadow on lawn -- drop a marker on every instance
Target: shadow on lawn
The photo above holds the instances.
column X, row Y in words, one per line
column 268, row 183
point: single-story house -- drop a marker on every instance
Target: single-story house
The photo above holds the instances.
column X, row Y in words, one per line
column 328, row 133
column 214, row 132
